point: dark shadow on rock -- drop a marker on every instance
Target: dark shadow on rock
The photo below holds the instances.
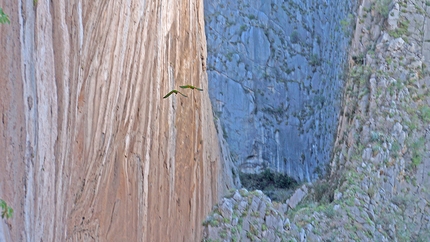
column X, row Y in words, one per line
column 275, row 185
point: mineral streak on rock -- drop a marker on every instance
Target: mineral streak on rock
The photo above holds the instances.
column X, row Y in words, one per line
column 90, row 149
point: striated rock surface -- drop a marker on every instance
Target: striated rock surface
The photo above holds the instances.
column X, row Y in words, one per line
column 275, row 77
column 90, row 149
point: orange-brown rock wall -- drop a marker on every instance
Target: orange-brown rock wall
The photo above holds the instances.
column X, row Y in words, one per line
column 91, row 150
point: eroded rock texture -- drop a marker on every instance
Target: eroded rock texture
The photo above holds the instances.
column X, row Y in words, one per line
column 275, row 77
column 378, row 188
column 90, row 149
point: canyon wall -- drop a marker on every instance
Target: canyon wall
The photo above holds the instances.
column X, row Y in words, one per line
column 275, row 76
column 90, row 149
column 378, row 186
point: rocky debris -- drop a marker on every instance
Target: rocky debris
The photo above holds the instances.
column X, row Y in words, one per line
column 276, row 82
column 254, row 218
column 395, row 44
column 386, row 161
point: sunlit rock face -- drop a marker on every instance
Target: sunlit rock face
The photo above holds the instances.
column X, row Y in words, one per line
column 275, row 78
column 89, row 149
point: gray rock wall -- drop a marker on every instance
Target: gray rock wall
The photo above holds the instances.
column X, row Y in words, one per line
column 275, row 80
column 379, row 186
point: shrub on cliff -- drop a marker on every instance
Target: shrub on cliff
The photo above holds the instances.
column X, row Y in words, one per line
column 3, row 17
column 266, row 180
column 7, row 211
column 382, row 7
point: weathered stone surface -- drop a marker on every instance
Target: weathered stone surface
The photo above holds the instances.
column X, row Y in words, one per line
column 297, row 197
column 253, row 207
column 243, row 206
column 226, row 208
column 90, row 149
column 393, row 17
column 274, row 69
column 302, row 235
column 261, row 221
column 262, row 208
column 237, row 197
column 395, row 44
column 378, row 189
column 273, row 222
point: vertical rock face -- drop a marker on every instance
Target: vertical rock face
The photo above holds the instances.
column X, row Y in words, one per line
column 90, row 149
column 276, row 82
column 378, row 188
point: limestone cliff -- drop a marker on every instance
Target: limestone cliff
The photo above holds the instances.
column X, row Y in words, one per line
column 90, row 149
column 378, row 186
column 275, row 77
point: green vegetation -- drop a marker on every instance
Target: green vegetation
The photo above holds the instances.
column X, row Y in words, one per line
column 322, row 191
column 393, row 94
column 214, row 223
column 315, row 60
column 425, row 113
column 401, row 31
column 294, row 37
column 4, row 18
column 267, row 180
column 347, row 23
column 7, row 211
column 250, row 236
column 229, row 56
column 264, row 227
column 243, row 27
column 417, row 152
column 382, row 7
column 223, row 234
column 401, row 201
column 395, row 148
column 253, row 229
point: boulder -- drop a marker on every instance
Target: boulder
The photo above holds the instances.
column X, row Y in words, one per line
column 226, row 208
column 393, row 17
column 297, row 197
column 395, row 44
